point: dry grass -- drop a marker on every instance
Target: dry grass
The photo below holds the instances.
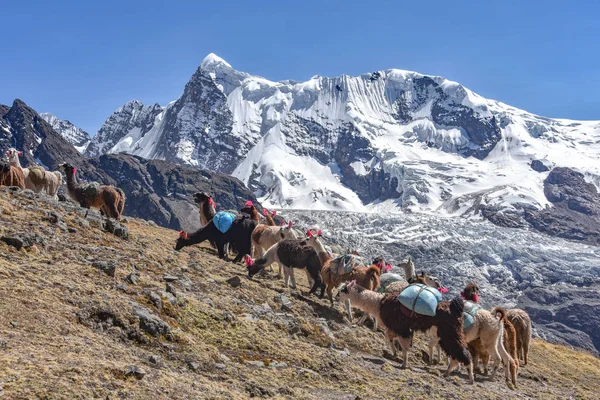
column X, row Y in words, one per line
column 51, row 347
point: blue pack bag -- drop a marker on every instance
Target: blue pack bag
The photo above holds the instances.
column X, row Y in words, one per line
column 421, row 299
column 223, row 220
column 469, row 313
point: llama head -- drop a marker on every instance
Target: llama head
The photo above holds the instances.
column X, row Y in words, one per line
column 13, row 154
column 180, row 243
column 254, row 266
column 471, row 292
column 286, row 231
column 68, row 168
column 312, row 238
column 201, row 197
column 435, row 282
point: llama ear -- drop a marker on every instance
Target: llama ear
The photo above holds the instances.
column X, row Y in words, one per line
column 290, row 224
column 319, row 233
column 282, row 223
column 210, row 201
column 8, row 152
column 388, row 267
column 74, row 170
column 249, row 204
column 380, row 265
column 183, row 235
column 274, row 213
column 265, row 212
column 309, row 233
column 20, row 153
column 248, row 260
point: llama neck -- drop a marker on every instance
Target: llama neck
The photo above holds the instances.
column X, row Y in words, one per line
column 15, row 162
column 270, row 220
column 366, row 300
column 409, row 271
column 321, row 251
column 208, row 210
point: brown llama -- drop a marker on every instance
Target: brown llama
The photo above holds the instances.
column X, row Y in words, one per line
column 36, row 178
column 522, row 323
column 108, row 199
column 399, row 325
column 207, row 207
column 366, row 277
column 11, row 176
column 251, row 211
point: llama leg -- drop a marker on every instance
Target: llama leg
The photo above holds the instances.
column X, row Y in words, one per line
column 330, row 294
column 348, row 305
column 526, row 343
column 451, row 366
column 293, row 276
column 486, row 363
column 286, row 276
column 405, row 344
column 439, row 353
column 433, row 341
column 390, row 336
column 279, row 274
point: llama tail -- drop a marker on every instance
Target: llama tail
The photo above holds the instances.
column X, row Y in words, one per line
column 457, row 306
column 499, row 312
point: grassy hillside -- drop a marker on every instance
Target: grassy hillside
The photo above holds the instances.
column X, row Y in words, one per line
column 68, row 330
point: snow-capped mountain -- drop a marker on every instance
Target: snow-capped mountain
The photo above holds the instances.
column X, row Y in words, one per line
column 386, row 140
column 74, row 135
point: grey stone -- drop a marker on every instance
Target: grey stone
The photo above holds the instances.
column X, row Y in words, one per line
column 170, row 278
column 235, row 281
column 171, row 289
column 154, row 298
column 108, row 267
column 155, row 359
column 194, row 366
column 255, row 363
column 116, row 228
column 23, row 240
column 132, row 279
column 220, row 366
column 286, row 303
column 151, row 324
column 135, row 371
column 14, row 324
column 81, row 222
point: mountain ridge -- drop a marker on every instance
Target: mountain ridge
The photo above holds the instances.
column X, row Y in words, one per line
column 411, row 141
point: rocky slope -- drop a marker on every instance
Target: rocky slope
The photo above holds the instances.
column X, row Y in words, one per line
column 74, row 135
column 85, row 314
column 155, row 189
column 386, row 140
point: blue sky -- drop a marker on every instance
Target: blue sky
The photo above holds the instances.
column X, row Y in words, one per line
column 81, row 60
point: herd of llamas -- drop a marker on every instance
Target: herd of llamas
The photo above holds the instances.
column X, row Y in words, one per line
column 464, row 330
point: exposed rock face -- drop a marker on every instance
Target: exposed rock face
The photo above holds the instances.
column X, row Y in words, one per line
column 162, row 192
column 155, row 190
column 541, row 165
column 575, row 212
column 25, row 130
column 566, row 314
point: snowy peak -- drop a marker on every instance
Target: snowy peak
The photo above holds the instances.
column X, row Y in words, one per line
column 74, row 135
column 212, row 61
